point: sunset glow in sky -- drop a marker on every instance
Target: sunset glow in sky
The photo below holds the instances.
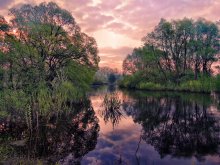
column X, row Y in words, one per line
column 119, row 25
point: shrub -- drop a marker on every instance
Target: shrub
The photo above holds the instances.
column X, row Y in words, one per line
column 130, row 81
column 150, row 86
column 203, row 84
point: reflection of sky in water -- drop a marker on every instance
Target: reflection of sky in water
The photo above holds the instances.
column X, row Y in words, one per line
column 174, row 128
column 119, row 145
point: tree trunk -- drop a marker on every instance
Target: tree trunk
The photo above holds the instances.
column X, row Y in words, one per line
column 196, row 71
column 204, row 67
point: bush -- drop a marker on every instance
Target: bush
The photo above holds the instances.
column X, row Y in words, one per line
column 203, row 84
column 130, row 81
column 14, row 99
column 150, row 86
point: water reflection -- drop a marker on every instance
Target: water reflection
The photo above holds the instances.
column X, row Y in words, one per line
column 158, row 128
column 176, row 126
column 117, row 127
column 111, row 109
column 63, row 137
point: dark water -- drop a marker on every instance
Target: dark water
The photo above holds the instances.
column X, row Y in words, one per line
column 118, row 127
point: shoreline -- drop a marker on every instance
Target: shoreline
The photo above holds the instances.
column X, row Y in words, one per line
column 170, row 90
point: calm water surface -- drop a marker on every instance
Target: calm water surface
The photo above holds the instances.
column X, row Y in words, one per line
column 135, row 128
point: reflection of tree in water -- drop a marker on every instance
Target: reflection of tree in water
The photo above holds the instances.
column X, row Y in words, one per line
column 111, row 109
column 111, row 88
column 54, row 136
column 175, row 126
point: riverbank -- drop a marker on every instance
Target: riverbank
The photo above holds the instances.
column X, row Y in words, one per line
column 202, row 85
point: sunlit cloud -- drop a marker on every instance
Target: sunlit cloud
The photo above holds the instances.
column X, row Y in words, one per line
column 120, row 24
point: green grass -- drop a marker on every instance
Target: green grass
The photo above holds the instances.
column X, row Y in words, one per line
column 205, row 84
column 149, row 86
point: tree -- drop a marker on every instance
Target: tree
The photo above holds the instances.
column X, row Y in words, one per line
column 112, row 78
column 207, row 38
column 175, row 49
column 47, row 41
column 172, row 38
column 145, row 59
column 103, row 75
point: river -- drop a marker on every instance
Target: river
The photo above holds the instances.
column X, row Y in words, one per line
column 119, row 127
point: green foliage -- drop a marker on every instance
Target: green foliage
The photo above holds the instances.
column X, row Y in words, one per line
column 44, row 99
column 48, row 100
column 5, row 150
column 131, row 81
column 48, row 46
column 66, row 91
column 14, row 99
column 48, row 64
column 149, row 86
column 80, row 75
column 203, row 84
column 177, row 55
column 46, row 69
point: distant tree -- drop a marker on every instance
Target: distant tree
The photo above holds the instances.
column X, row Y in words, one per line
column 172, row 38
column 206, row 39
column 104, row 73
column 176, row 48
column 112, row 78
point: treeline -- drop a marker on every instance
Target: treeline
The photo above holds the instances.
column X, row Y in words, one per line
column 106, row 75
column 176, row 55
column 45, row 58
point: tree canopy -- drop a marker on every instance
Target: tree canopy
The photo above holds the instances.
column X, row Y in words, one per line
column 43, row 42
column 175, row 49
column 46, row 61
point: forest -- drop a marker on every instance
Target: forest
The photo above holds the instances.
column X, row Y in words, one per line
column 180, row 55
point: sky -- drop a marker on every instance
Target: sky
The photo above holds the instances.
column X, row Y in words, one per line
column 119, row 25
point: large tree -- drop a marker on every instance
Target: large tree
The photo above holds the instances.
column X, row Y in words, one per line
column 206, row 44
column 186, row 44
column 47, row 42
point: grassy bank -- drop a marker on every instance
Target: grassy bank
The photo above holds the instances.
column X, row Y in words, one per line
column 204, row 84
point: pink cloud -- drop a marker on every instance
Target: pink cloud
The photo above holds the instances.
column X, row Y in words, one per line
column 132, row 19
